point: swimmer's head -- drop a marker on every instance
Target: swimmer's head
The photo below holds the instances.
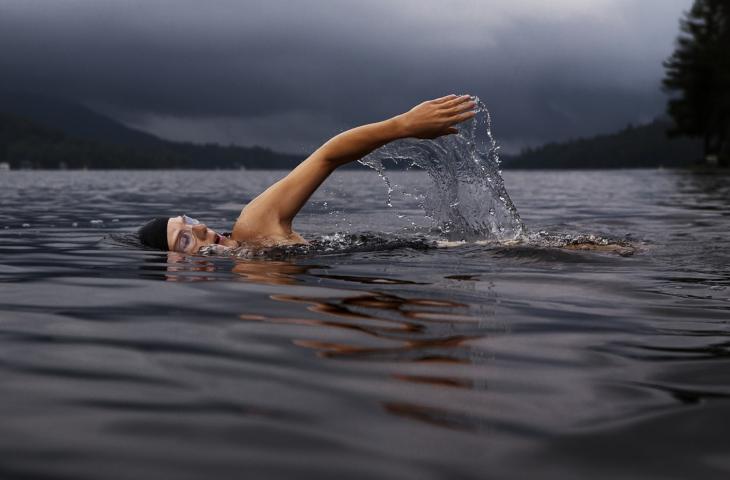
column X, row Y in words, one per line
column 153, row 234
column 180, row 234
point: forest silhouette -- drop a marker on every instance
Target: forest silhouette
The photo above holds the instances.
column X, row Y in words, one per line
column 698, row 74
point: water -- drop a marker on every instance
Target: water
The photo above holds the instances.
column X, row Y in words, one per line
column 465, row 197
column 385, row 359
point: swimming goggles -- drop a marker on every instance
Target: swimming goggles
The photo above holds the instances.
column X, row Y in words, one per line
column 189, row 220
column 185, row 239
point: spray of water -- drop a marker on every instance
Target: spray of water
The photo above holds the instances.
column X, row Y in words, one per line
column 467, row 199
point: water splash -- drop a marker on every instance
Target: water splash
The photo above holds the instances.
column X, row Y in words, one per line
column 467, row 199
column 336, row 243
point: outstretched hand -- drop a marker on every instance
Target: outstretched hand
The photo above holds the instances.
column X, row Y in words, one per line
column 435, row 118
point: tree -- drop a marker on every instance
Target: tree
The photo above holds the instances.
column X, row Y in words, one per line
column 698, row 73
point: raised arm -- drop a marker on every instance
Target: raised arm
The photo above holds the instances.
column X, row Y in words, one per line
column 272, row 212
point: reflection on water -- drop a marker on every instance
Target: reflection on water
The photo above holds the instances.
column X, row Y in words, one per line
column 178, row 265
column 424, row 329
column 389, row 358
column 411, row 329
column 418, row 329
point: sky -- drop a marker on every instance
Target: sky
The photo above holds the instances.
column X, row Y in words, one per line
column 290, row 74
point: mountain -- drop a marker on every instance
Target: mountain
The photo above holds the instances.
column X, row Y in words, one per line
column 74, row 120
column 645, row 146
column 42, row 132
column 26, row 144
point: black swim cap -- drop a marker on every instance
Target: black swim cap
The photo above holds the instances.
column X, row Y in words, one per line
column 154, row 233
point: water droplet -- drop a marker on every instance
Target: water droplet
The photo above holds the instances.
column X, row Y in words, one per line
column 96, row 222
column 26, row 225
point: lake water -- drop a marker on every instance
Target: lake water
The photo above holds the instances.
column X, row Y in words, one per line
column 387, row 359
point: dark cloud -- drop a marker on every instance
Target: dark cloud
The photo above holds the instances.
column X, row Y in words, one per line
column 287, row 74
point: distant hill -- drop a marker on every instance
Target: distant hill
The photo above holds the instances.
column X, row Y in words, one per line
column 26, row 144
column 645, row 146
column 74, row 120
column 42, row 132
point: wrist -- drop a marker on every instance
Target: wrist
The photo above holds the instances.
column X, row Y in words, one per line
column 399, row 126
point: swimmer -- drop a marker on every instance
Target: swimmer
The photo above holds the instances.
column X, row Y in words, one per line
column 267, row 220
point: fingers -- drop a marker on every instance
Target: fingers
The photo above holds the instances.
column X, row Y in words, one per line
column 460, row 108
column 462, row 117
column 456, row 101
column 437, row 101
column 449, row 100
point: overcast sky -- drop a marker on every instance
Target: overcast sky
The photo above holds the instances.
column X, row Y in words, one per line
column 289, row 74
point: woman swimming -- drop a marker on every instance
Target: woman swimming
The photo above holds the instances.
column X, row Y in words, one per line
column 267, row 220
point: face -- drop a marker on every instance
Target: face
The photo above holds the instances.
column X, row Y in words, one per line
column 187, row 235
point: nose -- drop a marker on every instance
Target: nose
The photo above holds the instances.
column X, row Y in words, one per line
column 200, row 230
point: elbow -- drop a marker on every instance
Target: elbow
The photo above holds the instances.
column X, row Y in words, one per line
column 328, row 158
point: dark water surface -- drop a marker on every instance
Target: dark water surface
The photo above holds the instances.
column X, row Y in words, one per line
column 386, row 361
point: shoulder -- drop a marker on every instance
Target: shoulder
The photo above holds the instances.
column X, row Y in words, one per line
column 266, row 234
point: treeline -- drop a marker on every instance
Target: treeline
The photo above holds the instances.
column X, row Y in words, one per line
column 645, row 146
column 26, row 144
column 698, row 77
